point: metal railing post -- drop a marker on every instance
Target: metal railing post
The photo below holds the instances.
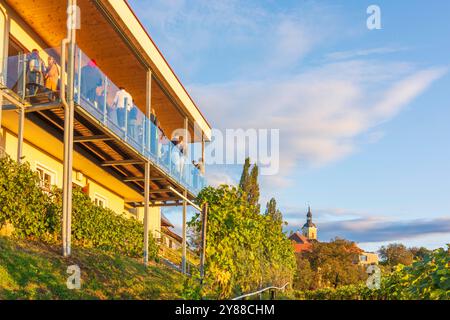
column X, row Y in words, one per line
column 105, row 93
column 24, row 78
column 183, row 259
column 126, row 117
column 143, row 127
column 79, row 77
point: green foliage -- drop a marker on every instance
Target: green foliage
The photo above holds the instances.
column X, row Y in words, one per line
column 273, row 212
column 419, row 253
column 22, row 202
column 37, row 214
column 245, row 250
column 428, row 278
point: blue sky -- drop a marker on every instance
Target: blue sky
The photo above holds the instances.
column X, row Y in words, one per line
column 363, row 114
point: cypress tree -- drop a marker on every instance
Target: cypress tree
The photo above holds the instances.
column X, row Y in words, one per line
column 253, row 192
column 273, row 212
column 243, row 184
column 249, row 184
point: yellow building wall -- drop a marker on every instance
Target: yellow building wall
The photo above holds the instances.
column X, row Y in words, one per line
column 113, row 201
column 154, row 220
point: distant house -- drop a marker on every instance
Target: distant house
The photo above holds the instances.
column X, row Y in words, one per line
column 300, row 242
column 366, row 258
column 169, row 238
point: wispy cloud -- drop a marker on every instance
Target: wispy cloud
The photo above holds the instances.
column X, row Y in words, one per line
column 321, row 112
column 359, row 53
column 369, row 227
column 376, row 230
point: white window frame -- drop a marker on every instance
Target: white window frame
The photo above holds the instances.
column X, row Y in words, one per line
column 102, row 198
column 49, row 171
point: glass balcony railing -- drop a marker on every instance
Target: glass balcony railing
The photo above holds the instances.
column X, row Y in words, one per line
column 37, row 81
column 33, row 77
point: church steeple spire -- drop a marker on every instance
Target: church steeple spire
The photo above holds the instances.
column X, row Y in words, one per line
column 309, row 228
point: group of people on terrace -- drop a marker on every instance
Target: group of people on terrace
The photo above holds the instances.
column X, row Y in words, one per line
column 41, row 77
column 122, row 112
column 115, row 104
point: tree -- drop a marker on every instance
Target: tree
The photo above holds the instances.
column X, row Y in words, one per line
column 305, row 275
column 419, row 253
column 245, row 249
column 273, row 212
column 395, row 253
column 253, row 191
column 245, row 177
column 332, row 265
column 249, row 184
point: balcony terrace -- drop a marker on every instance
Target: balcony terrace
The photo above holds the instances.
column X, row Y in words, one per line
column 119, row 140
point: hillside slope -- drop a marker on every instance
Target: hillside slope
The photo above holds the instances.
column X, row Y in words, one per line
column 32, row 270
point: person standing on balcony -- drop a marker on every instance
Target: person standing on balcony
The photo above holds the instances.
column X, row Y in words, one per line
column 197, row 171
column 175, row 154
column 91, row 82
column 133, row 122
column 182, row 147
column 161, row 141
column 52, row 77
column 153, row 132
column 35, row 72
column 122, row 103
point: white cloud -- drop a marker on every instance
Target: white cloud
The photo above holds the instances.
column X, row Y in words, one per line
column 320, row 113
column 358, row 53
column 216, row 177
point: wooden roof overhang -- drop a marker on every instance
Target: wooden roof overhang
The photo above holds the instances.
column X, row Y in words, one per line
column 105, row 38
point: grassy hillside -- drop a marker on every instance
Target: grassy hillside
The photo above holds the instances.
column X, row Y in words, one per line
column 32, row 270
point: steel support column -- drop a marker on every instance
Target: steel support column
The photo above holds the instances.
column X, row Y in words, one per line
column 184, row 243
column 203, row 252
column 146, row 210
column 69, row 127
column 20, row 134
column 147, row 172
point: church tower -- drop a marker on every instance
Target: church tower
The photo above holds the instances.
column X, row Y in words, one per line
column 309, row 229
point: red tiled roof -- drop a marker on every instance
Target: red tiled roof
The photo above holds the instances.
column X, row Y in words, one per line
column 300, row 247
column 300, row 242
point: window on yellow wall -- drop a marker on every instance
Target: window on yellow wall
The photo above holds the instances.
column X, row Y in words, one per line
column 46, row 177
column 100, row 200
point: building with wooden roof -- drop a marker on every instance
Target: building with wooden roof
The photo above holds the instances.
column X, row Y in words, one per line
column 88, row 99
